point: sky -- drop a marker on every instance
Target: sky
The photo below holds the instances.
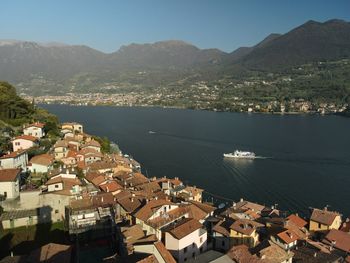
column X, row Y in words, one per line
column 106, row 25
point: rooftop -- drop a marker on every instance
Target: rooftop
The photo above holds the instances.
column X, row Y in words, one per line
column 323, row 216
column 9, row 175
column 183, row 228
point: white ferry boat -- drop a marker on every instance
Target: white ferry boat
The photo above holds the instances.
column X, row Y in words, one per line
column 240, row 155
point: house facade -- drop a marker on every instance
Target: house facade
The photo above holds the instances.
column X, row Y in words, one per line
column 186, row 239
column 34, row 129
column 17, row 159
column 9, row 183
column 322, row 220
column 24, row 142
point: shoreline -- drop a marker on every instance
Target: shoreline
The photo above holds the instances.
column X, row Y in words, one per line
column 209, row 110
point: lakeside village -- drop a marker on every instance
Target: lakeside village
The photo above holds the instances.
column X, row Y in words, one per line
column 110, row 212
column 204, row 101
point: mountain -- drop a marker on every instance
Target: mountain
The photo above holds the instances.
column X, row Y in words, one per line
column 20, row 60
column 243, row 51
column 56, row 68
column 165, row 54
column 312, row 41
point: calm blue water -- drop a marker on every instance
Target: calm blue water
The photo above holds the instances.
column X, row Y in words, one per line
column 308, row 162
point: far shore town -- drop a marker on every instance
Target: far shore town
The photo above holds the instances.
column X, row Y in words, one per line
column 80, row 201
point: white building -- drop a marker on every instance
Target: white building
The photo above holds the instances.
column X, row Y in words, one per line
column 41, row 163
column 34, row 129
column 74, row 126
column 9, row 183
column 186, row 239
column 17, row 159
column 24, row 142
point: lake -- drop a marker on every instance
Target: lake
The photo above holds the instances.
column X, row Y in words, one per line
column 307, row 160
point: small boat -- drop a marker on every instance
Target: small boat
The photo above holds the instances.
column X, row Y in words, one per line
column 240, row 155
column 151, row 132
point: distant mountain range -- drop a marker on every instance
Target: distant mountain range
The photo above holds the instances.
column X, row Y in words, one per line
column 30, row 64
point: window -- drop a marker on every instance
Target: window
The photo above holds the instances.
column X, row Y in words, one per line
column 185, row 259
column 56, row 211
column 193, row 244
column 223, row 243
column 319, row 225
column 201, row 249
column 185, row 250
column 56, row 185
column 201, row 240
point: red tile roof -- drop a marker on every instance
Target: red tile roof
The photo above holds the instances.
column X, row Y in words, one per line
column 245, row 226
column 42, row 159
column 26, row 137
column 147, row 210
column 9, row 175
column 167, row 257
column 13, row 154
column 36, row 124
column 184, row 227
column 111, row 186
column 297, row 220
column 288, row 236
column 339, row 239
column 323, row 216
column 52, row 253
column 241, row 254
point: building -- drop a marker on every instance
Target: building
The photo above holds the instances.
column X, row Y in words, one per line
column 60, row 149
column 71, row 186
column 24, row 142
column 17, row 159
column 337, row 239
column 18, row 218
column 245, row 231
column 41, row 163
column 91, row 216
column 185, row 239
column 95, row 145
column 322, row 220
column 9, row 183
column 286, row 239
column 53, row 253
column 35, row 129
column 158, row 213
column 74, row 126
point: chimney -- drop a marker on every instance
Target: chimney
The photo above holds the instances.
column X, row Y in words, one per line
column 11, row 254
column 107, row 188
column 132, row 200
column 102, row 199
column 315, row 254
column 241, row 200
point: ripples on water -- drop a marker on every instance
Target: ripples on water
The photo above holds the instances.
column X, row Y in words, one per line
column 308, row 156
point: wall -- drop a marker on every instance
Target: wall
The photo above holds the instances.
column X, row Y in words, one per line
column 239, row 238
column 49, row 203
column 11, row 189
column 34, row 131
column 55, row 187
column 38, row 168
column 176, row 247
column 149, row 249
column 23, row 144
column 314, row 226
column 26, row 221
column 19, row 161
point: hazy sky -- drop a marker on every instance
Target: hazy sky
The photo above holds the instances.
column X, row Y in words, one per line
column 106, row 24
